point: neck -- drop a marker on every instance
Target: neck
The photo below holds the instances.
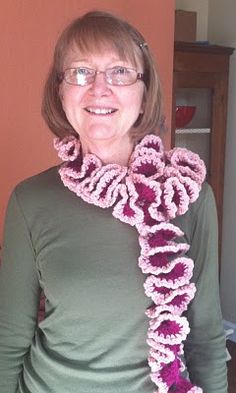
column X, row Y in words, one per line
column 116, row 152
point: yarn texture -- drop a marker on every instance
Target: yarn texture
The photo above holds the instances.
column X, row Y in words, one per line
column 153, row 189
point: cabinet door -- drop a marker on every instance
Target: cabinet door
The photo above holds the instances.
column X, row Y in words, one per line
column 205, row 134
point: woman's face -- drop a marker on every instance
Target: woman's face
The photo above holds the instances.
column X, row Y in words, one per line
column 100, row 112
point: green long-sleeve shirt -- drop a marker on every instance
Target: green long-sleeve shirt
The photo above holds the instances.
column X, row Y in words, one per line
column 93, row 337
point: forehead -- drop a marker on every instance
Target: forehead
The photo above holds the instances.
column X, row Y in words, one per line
column 107, row 52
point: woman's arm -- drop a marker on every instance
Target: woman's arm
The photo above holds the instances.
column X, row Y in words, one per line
column 19, row 292
column 205, row 346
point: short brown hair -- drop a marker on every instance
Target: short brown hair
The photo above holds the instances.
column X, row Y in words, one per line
column 93, row 31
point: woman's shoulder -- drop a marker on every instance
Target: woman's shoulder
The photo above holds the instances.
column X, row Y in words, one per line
column 202, row 209
column 49, row 175
column 39, row 189
column 205, row 196
column 45, row 181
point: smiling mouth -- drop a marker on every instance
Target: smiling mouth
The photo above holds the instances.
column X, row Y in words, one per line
column 100, row 111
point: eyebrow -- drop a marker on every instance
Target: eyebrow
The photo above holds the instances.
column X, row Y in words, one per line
column 88, row 61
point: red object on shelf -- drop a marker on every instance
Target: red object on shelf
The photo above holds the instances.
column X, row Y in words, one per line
column 183, row 115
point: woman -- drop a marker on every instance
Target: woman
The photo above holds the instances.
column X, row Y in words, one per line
column 119, row 214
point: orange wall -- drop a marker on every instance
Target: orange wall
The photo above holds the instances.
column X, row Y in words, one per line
column 28, row 30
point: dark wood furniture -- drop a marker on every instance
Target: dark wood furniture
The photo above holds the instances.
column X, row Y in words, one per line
column 232, row 366
column 203, row 69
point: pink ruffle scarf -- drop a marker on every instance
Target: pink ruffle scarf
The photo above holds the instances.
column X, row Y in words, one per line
column 155, row 188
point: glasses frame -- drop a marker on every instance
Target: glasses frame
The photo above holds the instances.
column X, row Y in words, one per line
column 62, row 76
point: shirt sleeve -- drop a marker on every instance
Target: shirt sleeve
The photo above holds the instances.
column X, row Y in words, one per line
column 19, row 294
column 205, row 349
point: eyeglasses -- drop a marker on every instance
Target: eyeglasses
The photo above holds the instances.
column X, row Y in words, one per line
column 116, row 76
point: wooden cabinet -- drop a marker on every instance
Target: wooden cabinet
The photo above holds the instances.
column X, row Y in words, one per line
column 201, row 80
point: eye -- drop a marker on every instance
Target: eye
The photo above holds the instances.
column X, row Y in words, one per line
column 119, row 70
column 82, row 71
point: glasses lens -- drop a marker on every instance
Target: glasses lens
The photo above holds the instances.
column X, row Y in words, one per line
column 118, row 76
column 121, row 76
column 79, row 76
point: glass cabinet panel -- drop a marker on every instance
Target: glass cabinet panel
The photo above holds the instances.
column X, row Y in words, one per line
column 195, row 135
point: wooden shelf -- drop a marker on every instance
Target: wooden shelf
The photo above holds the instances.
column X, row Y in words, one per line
column 187, row 131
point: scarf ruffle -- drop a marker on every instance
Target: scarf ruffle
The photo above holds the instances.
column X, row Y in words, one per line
column 156, row 187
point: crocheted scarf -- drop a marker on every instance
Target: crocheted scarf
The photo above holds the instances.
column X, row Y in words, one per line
column 154, row 188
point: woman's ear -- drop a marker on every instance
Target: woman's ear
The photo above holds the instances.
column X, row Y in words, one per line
column 61, row 96
column 143, row 106
column 60, row 93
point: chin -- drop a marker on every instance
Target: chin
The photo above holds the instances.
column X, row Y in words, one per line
column 101, row 133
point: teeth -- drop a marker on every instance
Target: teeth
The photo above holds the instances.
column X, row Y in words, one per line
column 100, row 111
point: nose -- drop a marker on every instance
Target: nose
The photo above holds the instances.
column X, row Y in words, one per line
column 100, row 86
